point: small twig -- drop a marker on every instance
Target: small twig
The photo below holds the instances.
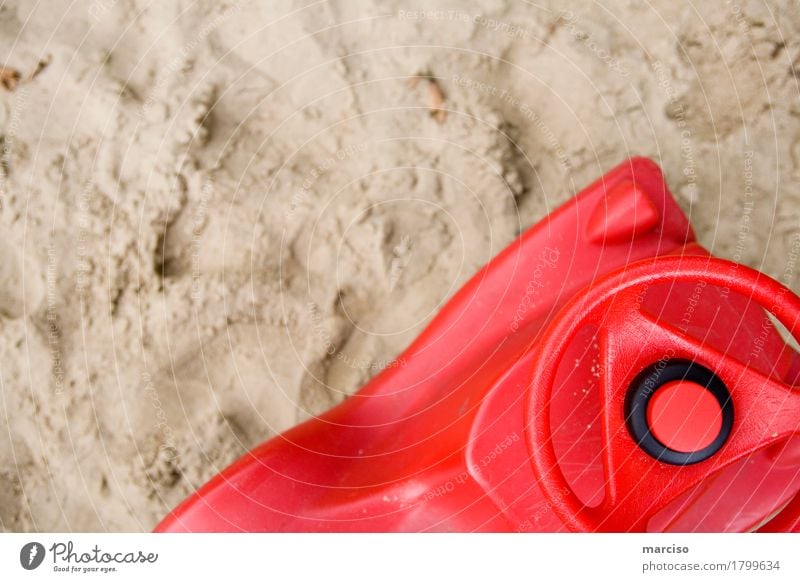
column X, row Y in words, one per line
column 41, row 65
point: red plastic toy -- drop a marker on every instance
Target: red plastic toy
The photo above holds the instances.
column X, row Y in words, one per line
column 603, row 373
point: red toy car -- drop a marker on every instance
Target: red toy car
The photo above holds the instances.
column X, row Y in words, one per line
column 603, row 373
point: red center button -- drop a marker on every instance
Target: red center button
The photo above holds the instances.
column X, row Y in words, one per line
column 684, row 416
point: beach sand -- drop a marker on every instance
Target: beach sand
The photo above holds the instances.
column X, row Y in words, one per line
column 221, row 218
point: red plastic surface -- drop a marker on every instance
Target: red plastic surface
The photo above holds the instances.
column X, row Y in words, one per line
column 684, row 416
column 506, row 415
column 637, row 486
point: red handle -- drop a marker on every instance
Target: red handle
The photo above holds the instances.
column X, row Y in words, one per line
column 638, row 484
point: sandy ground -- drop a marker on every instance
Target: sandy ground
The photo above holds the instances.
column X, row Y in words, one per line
column 220, row 218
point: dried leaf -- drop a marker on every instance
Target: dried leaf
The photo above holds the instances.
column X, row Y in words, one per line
column 9, row 78
column 435, row 95
column 436, row 101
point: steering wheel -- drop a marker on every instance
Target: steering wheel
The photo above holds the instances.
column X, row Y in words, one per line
column 739, row 409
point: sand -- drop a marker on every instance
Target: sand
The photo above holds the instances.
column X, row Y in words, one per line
column 221, row 218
